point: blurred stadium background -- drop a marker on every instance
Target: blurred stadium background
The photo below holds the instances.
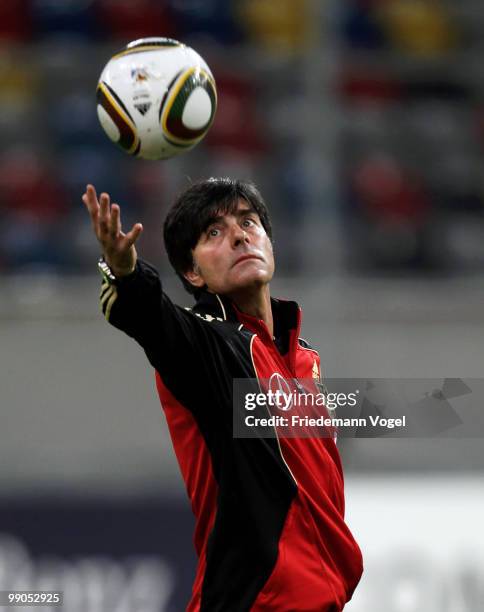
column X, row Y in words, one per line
column 362, row 122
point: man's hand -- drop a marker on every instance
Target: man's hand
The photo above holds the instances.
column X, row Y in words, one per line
column 117, row 247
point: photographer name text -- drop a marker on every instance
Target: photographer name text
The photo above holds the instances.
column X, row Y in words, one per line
column 322, row 421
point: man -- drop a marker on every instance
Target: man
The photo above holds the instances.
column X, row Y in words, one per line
column 270, row 533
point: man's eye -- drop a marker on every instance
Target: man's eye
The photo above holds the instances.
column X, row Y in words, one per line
column 213, row 232
column 247, row 222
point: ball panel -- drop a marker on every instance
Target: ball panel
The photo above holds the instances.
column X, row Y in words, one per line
column 174, row 105
column 148, row 44
column 198, row 110
column 160, row 41
column 119, row 114
column 168, row 93
column 108, row 124
column 109, row 92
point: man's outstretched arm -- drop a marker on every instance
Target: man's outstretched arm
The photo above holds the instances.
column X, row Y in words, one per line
column 135, row 303
column 132, row 301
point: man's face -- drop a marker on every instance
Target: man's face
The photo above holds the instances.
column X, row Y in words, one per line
column 233, row 254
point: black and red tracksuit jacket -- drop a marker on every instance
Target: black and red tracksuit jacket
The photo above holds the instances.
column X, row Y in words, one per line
column 270, row 532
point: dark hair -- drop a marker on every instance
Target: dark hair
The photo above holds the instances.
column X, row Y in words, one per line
column 194, row 210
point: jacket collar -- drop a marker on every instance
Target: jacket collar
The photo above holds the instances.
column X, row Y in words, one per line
column 287, row 314
column 216, row 306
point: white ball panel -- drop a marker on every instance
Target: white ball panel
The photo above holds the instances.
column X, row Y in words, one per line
column 198, row 109
column 108, row 124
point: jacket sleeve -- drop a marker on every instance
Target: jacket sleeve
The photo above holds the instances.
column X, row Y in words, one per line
column 138, row 306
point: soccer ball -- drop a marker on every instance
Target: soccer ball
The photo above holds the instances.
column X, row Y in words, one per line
column 156, row 98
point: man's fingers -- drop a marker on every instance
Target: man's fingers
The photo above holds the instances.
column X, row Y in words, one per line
column 87, row 204
column 90, row 199
column 106, row 221
column 115, row 221
column 133, row 235
column 104, row 212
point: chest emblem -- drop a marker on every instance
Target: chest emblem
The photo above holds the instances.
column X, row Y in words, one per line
column 315, row 371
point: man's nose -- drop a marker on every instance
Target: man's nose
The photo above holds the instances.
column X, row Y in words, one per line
column 239, row 235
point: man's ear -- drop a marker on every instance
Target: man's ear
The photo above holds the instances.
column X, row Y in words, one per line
column 194, row 276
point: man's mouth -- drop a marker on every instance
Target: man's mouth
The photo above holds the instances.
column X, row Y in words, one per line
column 245, row 258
